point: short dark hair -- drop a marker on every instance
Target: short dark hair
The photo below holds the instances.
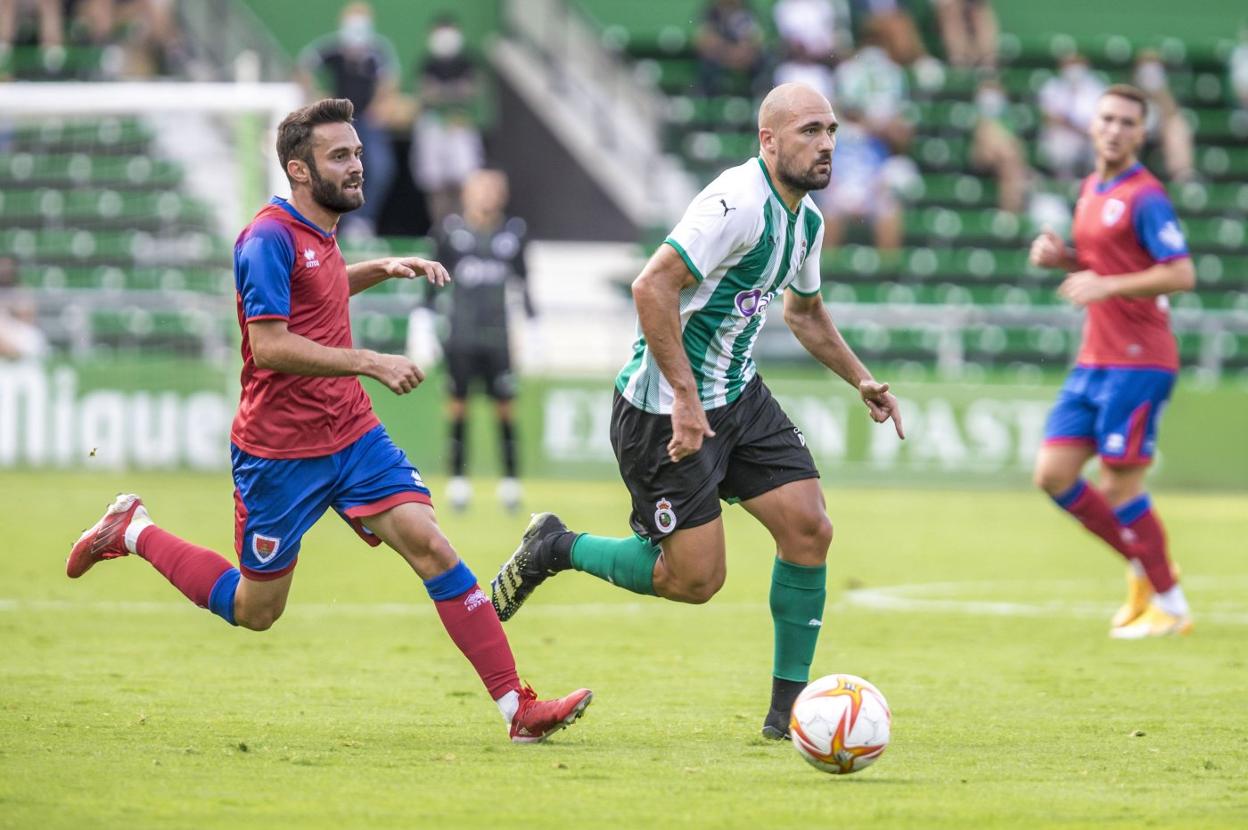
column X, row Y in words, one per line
column 294, row 134
column 1131, row 93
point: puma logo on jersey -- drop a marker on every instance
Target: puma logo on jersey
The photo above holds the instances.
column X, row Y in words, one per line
column 726, row 208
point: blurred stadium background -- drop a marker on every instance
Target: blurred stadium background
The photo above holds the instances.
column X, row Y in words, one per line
column 135, row 141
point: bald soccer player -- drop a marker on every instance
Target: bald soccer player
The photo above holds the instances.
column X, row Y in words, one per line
column 693, row 423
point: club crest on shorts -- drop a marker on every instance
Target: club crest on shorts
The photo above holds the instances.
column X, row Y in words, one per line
column 664, row 516
column 264, row 547
column 1112, row 211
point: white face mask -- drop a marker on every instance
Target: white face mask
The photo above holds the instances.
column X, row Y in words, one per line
column 446, row 42
column 1151, row 76
column 991, row 102
column 356, row 30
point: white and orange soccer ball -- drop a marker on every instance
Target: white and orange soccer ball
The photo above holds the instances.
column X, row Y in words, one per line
column 840, row 724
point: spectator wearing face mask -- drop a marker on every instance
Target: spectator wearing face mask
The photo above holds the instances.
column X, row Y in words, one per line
column 1068, row 102
column 446, row 142
column 359, row 65
column 1165, row 122
column 996, row 149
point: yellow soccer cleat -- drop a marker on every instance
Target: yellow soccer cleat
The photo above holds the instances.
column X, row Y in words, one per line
column 1154, row 622
column 1139, row 594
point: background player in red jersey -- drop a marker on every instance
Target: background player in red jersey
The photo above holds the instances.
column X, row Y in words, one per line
column 305, row 437
column 1128, row 254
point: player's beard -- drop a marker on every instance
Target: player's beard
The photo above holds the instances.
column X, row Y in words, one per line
column 809, row 179
column 331, row 196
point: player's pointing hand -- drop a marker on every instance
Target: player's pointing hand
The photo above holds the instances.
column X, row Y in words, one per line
column 414, row 267
column 882, row 405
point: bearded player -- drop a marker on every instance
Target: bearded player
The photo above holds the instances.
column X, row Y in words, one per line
column 1128, row 255
column 693, row 422
column 305, row 437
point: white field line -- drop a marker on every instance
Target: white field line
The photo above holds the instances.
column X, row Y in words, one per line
column 930, row 597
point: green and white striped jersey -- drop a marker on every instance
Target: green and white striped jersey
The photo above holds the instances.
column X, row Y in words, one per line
column 744, row 247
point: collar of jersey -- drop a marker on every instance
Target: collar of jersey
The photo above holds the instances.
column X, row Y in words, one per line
column 775, row 192
column 289, row 208
column 1105, row 187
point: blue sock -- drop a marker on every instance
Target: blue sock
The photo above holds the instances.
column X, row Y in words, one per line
column 221, row 600
column 452, row 583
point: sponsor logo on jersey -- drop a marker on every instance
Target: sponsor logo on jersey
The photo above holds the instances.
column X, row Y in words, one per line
column 1172, row 237
column 1112, row 211
column 309, row 258
column 664, row 516
column 725, row 206
column 752, row 302
column 265, row 547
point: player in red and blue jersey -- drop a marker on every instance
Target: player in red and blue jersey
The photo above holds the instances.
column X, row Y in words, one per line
column 305, row 438
column 1129, row 254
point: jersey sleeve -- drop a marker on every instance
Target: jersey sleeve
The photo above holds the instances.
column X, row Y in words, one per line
column 262, row 266
column 1157, row 227
column 810, row 279
column 712, row 228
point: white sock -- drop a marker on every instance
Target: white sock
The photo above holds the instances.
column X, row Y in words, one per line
column 509, row 704
column 1137, row 568
column 1173, row 602
column 138, row 523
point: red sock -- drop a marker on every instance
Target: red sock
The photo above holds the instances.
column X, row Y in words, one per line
column 1086, row 504
column 1150, row 542
column 473, row 624
column 192, row 570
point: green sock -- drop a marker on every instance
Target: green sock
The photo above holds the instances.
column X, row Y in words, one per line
column 628, row 562
column 797, row 596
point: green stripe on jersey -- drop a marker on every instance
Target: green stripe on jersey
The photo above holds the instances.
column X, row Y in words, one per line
column 723, row 313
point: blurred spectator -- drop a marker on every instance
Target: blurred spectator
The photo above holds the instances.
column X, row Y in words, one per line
column 968, row 29
column 874, row 87
column 996, row 149
column 1068, row 103
column 814, row 31
column 360, row 65
column 861, row 185
column 1166, row 124
column 446, row 144
column 893, row 28
column 51, row 32
column 20, row 335
column 1238, row 65
column 729, row 40
column 146, row 39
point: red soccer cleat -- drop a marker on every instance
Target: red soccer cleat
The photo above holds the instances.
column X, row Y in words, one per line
column 107, row 538
column 536, row 720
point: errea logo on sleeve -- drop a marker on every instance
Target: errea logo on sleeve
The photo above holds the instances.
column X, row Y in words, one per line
column 309, row 258
column 1172, row 237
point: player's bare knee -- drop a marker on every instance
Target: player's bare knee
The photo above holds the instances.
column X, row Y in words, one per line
column 701, row 591
column 258, row 619
column 1054, row 482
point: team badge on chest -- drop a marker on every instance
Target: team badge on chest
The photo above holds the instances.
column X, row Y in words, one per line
column 1112, row 211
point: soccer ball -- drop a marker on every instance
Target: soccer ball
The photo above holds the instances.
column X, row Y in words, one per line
column 840, row 724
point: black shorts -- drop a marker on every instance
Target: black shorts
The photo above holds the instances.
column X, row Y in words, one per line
column 491, row 365
column 756, row 449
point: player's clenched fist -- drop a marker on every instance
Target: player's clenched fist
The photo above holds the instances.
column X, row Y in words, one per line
column 1048, row 250
column 399, row 374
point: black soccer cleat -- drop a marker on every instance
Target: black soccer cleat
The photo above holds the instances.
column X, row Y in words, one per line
column 776, row 725
column 528, row 567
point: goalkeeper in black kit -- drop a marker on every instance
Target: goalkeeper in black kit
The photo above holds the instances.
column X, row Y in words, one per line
column 484, row 250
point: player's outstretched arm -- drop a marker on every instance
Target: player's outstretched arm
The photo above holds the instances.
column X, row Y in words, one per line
column 811, row 324
column 275, row 347
column 656, row 294
column 364, row 275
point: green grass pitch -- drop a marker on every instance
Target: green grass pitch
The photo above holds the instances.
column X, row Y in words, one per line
column 980, row 615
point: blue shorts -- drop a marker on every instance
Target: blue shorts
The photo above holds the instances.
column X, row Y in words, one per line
column 1115, row 410
column 276, row 501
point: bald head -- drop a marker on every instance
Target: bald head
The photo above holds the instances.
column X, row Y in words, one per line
column 788, row 102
